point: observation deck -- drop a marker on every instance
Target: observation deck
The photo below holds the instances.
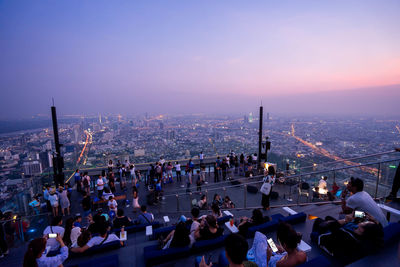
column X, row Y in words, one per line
column 176, row 201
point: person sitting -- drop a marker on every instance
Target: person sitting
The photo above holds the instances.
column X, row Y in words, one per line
column 104, row 238
column 228, row 204
column 144, row 217
column 107, row 194
column 322, row 183
column 288, row 255
column 202, row 202
column 217, row 200
column 361, row 201
column 99, row 222
column 35, row 257
column 208, row 229
column 351, row 237
column 194, row 223
column 179, row 237
column 235, row 251
column 216, row 211
column 112, row 204
column 121, row 220
column 82, row 240
column 54, row 228
column 257, row 218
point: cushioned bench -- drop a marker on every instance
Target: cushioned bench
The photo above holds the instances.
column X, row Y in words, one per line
column 319, row 261
column 293, row 219
column 265, row 227
column 391, row 233
column 137, row 227
column 203, row 245
column 107, row 261
column 163, row 231
column 97, row 249
column 154, row 255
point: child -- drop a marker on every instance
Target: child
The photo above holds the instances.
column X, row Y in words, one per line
column 78, row 221
column 135, row 200
column 112, row 204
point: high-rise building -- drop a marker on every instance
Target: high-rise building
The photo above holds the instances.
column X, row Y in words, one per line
column 45, row 159
column 161, row 125
column 250, row 117
column 32, row 167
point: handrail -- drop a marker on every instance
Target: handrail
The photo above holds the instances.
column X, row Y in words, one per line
column 299, row 175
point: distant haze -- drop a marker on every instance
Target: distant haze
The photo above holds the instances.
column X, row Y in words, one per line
column 130, row 57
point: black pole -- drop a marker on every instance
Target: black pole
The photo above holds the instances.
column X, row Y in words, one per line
column 260, row 136
column 58, row 161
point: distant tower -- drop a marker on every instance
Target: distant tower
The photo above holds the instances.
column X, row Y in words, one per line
column 100, row 118
column 267, row 117
column 119, row 117
column 250, row 117
column 161, row 125
column 58, row 160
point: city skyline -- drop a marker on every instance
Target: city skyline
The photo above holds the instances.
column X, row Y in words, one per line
column 174, row 57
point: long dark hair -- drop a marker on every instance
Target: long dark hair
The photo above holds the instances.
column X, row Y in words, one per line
column 35, row 249
column 84, row 238
column 67, row 233
column 181, row 236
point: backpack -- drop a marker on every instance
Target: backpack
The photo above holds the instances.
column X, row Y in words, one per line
column 85, row 182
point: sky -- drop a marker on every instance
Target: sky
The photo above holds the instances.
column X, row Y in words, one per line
column 223, row 56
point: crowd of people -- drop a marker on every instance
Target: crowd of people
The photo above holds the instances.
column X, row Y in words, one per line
column 76, row 234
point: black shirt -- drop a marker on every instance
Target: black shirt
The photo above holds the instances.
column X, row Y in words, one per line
column 119, row 222
column 205, row 233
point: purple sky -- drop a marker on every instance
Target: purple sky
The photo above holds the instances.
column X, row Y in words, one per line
column 167, row 56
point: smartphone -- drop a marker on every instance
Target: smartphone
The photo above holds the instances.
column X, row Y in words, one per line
column 52, row 235
column 359, row 214
column 272, row 245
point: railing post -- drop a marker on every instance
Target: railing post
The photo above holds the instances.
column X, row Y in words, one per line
column 206, row 193
column 377, row 180
column 224, row 189
column 190, row 197
column 334, row 176
column 245, row 195
column 177, row 202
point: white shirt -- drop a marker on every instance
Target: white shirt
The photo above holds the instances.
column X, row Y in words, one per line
column 75, row 233
column 363, row 201
column 96, row 240
column 112, row 204
column 322, row 184
column 201, row 156
column 52, row 242
column 53, row 199
column 100, row 184
column 178, row 167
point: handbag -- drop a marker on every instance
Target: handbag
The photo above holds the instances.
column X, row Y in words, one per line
column 265, row 188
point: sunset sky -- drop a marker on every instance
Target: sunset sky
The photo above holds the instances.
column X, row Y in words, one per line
column 203, row 56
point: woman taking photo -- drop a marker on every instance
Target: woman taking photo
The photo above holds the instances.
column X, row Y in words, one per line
column 34, row 257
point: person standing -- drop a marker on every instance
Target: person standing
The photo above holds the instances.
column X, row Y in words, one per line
column 201, row 157
column 86, row 204
column 188, row 180
column 53, row 198
column 64, row 201
column 86, row 183
column 266, row 188
column 100, row 186
column 178, row 172
column 77, row 178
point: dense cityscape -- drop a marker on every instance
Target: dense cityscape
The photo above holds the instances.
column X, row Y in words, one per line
column 91, row 141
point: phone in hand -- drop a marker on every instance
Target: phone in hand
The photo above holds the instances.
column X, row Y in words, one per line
column 272, row 245
column 359, row 214
column 52, row 235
